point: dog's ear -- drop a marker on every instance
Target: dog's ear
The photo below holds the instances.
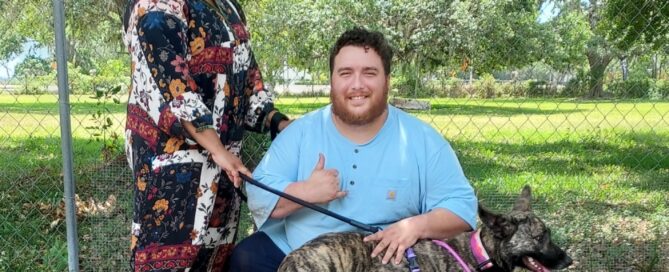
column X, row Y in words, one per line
column 499, row 225
column 523, row 202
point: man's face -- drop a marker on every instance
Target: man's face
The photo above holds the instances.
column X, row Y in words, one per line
column 359, row 86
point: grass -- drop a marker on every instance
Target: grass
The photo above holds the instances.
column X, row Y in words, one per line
column 599, row 171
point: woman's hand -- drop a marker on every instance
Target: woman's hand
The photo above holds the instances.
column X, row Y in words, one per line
column 232, row 166
column 219, row 154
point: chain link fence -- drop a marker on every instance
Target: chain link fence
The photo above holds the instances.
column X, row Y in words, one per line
column 599, row 167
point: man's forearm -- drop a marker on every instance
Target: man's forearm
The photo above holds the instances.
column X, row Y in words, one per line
column 285, row 207
column 439, row 224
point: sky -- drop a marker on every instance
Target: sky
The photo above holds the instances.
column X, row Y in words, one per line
column 547, row 11
column 7, row 69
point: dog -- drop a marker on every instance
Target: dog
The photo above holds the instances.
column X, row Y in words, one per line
column 516, row 239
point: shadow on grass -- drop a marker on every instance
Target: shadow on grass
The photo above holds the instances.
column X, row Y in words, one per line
column 35, row 178
column 485, row 110
column 52, row 107
column 645, row 154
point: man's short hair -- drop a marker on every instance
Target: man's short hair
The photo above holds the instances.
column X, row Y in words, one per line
column 367, row 39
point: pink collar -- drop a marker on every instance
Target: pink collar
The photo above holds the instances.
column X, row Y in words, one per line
column 455, row 255
column 481, row 256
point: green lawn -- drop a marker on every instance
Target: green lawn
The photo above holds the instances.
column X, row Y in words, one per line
column 599, row 170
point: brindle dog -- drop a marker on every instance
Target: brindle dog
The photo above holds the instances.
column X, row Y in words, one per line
column 517, row 239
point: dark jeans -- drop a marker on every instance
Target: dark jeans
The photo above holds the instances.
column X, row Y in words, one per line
column 256, row 253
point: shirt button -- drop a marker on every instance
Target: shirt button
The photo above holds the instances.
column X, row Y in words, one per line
column 352, row 182
column 355, row 150
column 355, row 166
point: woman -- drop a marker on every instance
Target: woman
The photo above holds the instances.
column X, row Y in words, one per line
column 195, row 88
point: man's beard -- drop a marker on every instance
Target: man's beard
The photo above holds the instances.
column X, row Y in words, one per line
column 378, row 106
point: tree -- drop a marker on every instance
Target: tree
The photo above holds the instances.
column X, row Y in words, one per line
column 32, row 66
column 634, row 22
column 92, row 27
column 426, row 35
column 616, row 29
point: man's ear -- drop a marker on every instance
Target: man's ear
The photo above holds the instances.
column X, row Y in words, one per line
column 498, row 224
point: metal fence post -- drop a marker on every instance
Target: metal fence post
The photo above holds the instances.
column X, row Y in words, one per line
column 66, row 136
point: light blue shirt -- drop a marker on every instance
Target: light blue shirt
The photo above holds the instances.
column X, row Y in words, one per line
column 406, row 170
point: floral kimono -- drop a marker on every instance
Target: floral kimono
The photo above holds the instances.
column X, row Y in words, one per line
column 191, row 60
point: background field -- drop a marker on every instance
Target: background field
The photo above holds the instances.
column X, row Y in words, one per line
column 599, row 170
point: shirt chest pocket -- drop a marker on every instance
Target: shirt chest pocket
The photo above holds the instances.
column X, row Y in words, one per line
column 393, row 198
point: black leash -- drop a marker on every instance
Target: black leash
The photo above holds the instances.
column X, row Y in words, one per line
column 369, row 228
column 409, row 253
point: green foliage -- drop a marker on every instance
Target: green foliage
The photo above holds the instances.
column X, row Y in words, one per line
column 32, row 66
column 81, row 82
column 428, row 34
column 601, row 184
column 486, row 87
column 514, row 89
column 541, row 88
column 454, row 88
column 114, row 69
column 577, row 86
column 639, row 21
column 660, row 89
column 632, row 88
column 103, row 129
column 10, row 42
column 92, row 28
column 566, row 40
column 55, row 258
column 409, row 84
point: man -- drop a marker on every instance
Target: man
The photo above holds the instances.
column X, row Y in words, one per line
column 361, row 158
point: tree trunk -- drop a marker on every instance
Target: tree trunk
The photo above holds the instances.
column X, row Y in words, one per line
column 624, row 67
column 598, row 64
column 71, row 51
column 659, row 67
column 654, row 70
column 416, row 86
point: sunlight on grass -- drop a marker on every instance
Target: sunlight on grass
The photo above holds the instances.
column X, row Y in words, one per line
column 599, row 173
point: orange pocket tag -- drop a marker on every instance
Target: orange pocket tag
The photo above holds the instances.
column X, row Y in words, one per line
column 391, row 195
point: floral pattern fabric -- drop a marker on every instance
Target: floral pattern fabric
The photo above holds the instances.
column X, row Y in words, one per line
column 192, row 61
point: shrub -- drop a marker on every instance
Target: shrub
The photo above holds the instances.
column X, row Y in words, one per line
column 32, row 66
column 410, row 86
column 540, row 88
column 631, row 88
column 453, row 87
column 486, row 87
column 513, row 89
column 660, row 89
column 576, row 87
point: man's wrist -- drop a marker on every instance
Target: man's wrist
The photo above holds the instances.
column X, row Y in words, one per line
column 419, row 225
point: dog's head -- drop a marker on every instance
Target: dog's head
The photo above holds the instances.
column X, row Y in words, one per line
column 521, row 239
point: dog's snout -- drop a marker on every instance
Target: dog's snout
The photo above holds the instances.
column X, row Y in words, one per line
column 566, row 262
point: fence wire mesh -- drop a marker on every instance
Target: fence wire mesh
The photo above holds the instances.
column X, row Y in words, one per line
column 582, row 115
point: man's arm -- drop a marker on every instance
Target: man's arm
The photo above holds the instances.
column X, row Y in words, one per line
column 279, row 169
column 436, row 224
